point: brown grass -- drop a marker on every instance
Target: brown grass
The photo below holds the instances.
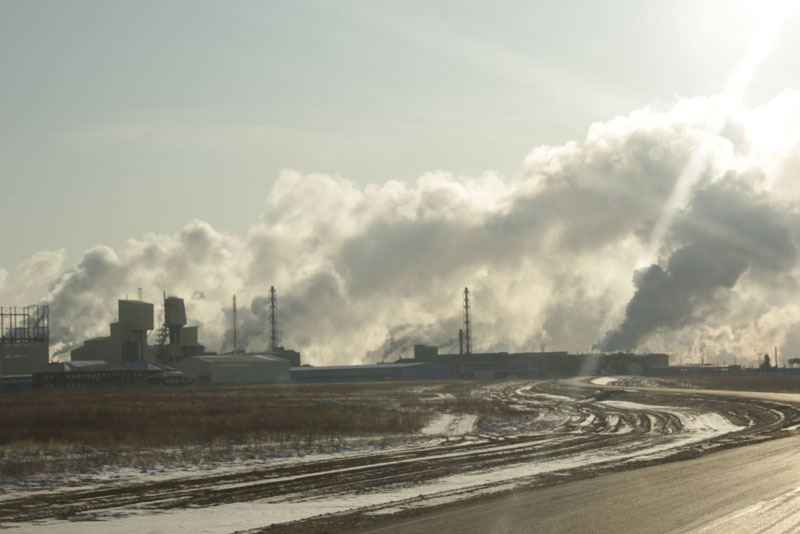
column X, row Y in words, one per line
column 74, row 430
column 61, row 431
column 177, row 416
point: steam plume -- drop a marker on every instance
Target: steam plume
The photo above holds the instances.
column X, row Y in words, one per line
column 366, row 271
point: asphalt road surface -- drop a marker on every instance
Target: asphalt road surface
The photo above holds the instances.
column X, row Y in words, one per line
column 752, row 489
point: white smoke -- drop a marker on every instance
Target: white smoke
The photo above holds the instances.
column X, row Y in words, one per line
column 363, row 272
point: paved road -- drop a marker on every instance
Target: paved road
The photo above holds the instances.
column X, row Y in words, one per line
column 743, row 490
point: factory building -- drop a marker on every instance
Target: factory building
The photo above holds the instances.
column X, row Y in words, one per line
column 291, row 356
column 176, row 341
column 234, row 369
column 128, row 339
column 539, row 364
column 85, row 374
column 370, row 373
column 177, row 346
column 24, row 339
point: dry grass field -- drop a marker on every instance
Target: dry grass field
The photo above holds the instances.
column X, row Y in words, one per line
column 64, row 430
column 70, row 431
column 243, row 458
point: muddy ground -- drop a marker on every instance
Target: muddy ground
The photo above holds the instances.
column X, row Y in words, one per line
column 515, row 435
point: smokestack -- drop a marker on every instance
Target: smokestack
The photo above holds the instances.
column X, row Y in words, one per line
column 776, row 356
column 273, row 320
column 467, row 340
column 234, row 323
column 461, row 341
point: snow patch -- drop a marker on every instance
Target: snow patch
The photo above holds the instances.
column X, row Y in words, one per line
column 604, row 380
column 450, row 425
column 703, row 423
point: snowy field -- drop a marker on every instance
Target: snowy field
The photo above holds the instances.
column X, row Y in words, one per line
column 523, row 433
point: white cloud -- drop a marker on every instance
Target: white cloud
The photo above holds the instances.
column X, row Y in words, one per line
column 548, row 253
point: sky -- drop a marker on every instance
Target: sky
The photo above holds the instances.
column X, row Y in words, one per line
column 371, row 159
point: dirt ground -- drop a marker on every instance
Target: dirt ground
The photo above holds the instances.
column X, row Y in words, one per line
column 517, row 435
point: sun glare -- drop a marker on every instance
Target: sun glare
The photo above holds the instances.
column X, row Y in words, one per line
column 759, row 46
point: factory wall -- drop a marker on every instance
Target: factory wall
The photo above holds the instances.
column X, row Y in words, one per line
column 23, row 358
column 540, row 364
column 232, row 369
column 183, row 344
column 99, row 348
column 292, row 356
column 128, row 339
column 370, row 373
column 137, row 314
column 89, row 374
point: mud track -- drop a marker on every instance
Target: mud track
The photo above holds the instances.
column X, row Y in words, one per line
column 557, row 425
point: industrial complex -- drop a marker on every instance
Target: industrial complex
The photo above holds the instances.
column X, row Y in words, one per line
column 24, row 339
column 125, row 357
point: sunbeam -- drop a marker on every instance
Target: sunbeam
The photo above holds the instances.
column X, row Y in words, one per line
column 728, row 102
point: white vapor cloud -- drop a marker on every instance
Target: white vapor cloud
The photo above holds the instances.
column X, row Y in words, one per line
column 41, row 266
column 550, row 254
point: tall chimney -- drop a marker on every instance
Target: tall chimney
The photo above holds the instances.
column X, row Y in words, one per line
column 467, row 340
column 234, row 323
column 273, row 320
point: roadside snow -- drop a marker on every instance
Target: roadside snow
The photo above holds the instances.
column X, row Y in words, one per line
column 700, row 423
column 451, row 425
column 228, row 518
column 604, row 380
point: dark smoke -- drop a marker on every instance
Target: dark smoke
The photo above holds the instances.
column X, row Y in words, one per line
column 728, row 230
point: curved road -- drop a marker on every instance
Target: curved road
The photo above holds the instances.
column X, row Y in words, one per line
column 751, row 489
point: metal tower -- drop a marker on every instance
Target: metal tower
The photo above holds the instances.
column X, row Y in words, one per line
column 29, row 324
column 273, row 320
column 234, row 324
column 467, row 339
column 163, row 335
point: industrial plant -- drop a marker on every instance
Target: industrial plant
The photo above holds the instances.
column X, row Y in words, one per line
column 24, row 339
column 177, row 357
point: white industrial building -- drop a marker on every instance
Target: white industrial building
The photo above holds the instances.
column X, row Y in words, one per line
column 177, row 345
column 240, row 368
column 128, row 339
column 176, row 341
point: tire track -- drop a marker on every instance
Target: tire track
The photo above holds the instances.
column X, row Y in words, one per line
column 557, row 422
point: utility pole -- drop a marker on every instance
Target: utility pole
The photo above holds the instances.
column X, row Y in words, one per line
column 467, row 339
column 234, row 323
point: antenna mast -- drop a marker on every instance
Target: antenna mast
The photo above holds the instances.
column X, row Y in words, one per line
column 273, row 320
column 467, row 339
column 234, row 323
